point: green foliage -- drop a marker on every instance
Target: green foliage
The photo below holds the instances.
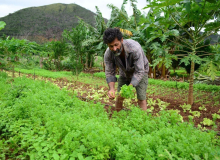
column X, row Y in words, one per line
column 215, row 116
column 211, row 67
column 38, row 120
column 184, row 85
column 76, row 37
column 60, row 49
column 101, row 75
column 44, row 73
column 67, row 64
column 189, row 17
column 95, row 39
column 127, row 91
column 2, row 25
column 12, row 50
column 202, row 108
column 195, row 113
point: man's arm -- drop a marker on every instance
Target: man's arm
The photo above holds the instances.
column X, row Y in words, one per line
column 110, row 73
column 139, row 67
column 110, row 67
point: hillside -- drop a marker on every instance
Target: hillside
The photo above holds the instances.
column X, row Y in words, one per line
column 45, row 22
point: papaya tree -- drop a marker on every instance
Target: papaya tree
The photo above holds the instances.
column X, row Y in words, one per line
column 60, row 50
column 192, row 17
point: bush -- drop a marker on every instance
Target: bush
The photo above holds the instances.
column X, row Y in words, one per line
column 67, row 65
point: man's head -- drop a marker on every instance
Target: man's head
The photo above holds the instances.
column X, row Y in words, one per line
column 113, row 38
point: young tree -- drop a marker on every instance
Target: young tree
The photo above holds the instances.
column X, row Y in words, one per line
column 76, row 36
column 60, row 49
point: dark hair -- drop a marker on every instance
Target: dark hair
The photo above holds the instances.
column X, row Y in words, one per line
column 110, row 34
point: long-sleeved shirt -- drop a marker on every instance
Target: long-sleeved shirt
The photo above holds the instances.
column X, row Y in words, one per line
column 136, row 62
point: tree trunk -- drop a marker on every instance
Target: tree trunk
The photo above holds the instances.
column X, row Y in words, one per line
column 151, row 73
column 81, row 59
column 76, row 72
column 190, row 93
column 163, row 71
column 87, row 59
column 57, row 64
column 41, row 62
column 103, row 63
column 13, row 71
column 91, row 60
column 154, row 72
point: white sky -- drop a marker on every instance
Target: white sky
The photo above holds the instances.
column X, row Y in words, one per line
column 10, row 6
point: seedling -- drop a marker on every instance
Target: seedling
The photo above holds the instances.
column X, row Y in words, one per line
column 195, row 113
column 162, row 105
column 216, row 103
column 215, row 116
column 152, row 102
column 202, row 108
column 186, row 107
column 207, row 122
column 190, row 118
column 150, row 109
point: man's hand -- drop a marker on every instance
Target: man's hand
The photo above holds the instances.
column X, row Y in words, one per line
column 111, row 94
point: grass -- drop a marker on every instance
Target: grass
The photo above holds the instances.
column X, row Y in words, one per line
column 45, row 73
column 179, row 73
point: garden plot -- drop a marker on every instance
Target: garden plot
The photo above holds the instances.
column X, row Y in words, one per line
column 205, row 112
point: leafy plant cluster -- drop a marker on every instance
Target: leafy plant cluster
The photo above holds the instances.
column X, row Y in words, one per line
column 127, row 91
column 101, row 75
column 40, row 121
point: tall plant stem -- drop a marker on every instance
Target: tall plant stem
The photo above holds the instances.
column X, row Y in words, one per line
column 191, row 79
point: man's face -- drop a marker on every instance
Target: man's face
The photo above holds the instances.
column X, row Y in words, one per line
column 116, row 46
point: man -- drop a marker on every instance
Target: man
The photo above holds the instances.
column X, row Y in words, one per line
column 133, row 66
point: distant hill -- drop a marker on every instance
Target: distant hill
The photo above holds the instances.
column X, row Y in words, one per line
column 214, row 38
column 45, row 22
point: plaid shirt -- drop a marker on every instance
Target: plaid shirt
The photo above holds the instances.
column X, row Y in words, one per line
column 136, row 63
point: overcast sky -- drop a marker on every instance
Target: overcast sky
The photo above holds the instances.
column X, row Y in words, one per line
column 10, row 6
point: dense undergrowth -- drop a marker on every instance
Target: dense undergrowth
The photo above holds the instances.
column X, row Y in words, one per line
column 40, row 121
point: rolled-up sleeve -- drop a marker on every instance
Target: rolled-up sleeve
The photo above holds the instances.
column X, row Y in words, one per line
column 110, row 67
column 139, row 67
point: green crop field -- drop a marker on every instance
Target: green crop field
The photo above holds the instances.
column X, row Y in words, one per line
column 40, row 121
